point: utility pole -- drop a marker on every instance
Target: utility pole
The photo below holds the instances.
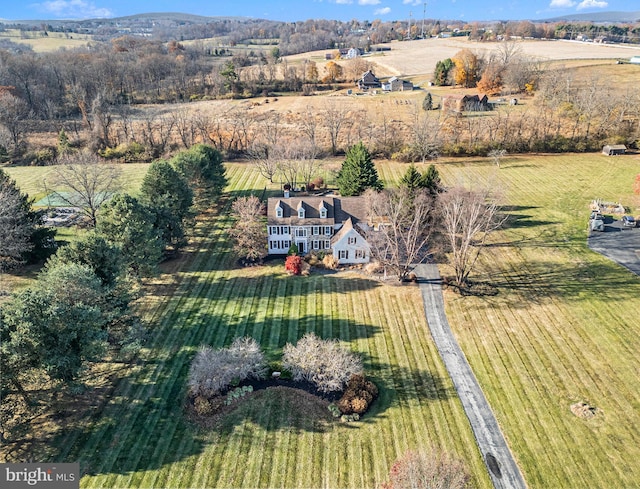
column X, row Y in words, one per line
column 424, row 14
column 409, row 31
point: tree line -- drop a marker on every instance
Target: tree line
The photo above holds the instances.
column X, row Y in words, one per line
column 79, row 308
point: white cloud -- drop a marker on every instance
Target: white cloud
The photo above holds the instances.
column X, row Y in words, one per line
column 344, row 2
column 592, row 4
column 368, row 2
column 411, row 2
column 383, row 11
column 562, row 3
column 74, row 9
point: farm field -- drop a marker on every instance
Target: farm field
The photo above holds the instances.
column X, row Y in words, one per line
column 414, row 58
column 562, row 329
column 52, row 42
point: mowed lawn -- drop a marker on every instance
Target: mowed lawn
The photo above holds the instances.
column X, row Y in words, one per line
column 141, row 438
column 37, row 181
column 564, row 327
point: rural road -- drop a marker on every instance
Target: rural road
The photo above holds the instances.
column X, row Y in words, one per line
column 501, row 465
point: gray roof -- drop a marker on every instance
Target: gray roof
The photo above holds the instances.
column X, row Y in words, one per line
column 339, row 209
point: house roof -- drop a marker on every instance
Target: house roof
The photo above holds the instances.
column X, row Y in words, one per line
column 346, row 227
column 339, row 210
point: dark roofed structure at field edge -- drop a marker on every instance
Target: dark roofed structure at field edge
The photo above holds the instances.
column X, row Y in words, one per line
column 465, row 102
column 328, row 224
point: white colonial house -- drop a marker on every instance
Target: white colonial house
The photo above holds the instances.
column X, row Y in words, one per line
column 328, row 224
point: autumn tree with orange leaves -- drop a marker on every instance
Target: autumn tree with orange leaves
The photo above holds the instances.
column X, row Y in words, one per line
column 467, row 68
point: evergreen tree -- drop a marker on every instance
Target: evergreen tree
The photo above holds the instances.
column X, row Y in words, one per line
column 15, row 228
column 19, row 214
column 57, row 324
column 431, row 181
column 63, row 143
column 441, row 73
column 126, row 223
column 168, row 196
column 427, row 103
column 202, row 167
column 358, row 172
column 412, row 179
column 93, row 250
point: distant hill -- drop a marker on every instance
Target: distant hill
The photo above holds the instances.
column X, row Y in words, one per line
column 163, row 17
column 610, row 17
column 176, row 16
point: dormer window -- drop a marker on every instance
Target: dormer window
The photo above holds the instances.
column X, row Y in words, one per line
column 323, row 211
column 278, row 210
column 300, row 211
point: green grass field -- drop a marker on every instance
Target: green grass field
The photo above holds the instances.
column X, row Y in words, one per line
column 34, row 180
column 563, row 328
column 141, row 437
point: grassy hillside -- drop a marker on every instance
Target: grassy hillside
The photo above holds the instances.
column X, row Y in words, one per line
column 564, row 326
column 562, row 329
column 140, row 437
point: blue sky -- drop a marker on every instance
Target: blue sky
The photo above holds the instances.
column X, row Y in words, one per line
column 289, row 10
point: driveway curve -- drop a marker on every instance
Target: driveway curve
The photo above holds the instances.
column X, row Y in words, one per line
column 500, row 463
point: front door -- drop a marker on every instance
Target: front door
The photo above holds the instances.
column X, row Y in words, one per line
column 302, row 247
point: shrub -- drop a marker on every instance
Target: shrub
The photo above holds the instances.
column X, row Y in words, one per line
column 432, row 469
column 330, row 262
column 358, row 395
column 359, row 405
column 202, row 406
column 321, row 362
column 212, row 371
column 293, row 264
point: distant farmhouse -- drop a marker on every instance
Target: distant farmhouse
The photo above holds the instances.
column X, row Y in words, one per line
column 635, row 60
column 395, row 84
column 329, row 224
column 368, row 80
column 352, row 53
column 461, row 103
column 346, row 53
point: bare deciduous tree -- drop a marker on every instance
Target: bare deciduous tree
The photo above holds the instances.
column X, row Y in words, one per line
column 298, row 161
column 248, row 232
column 84, row 181
column 425, row 470
column 403, row 219
column 334, row 117
column 186, row 127
column 266, row 159
column 14, row 112
column 321, row 362
column 309, row 125
column 425, row 134
column 496, row 155
column 468, row 216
